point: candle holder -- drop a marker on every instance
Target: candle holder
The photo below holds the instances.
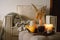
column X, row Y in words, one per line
column 52, row 20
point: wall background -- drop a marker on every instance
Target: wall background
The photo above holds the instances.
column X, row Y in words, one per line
column 7, row 6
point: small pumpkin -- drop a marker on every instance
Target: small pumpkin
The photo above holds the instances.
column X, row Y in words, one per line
column 31, row 28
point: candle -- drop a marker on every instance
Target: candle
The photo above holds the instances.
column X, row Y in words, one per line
column 48, row 27
column 47, row 19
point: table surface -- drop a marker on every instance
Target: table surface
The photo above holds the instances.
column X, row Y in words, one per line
column 28, row 36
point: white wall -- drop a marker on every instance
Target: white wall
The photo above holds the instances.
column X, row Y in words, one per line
column 7, row 6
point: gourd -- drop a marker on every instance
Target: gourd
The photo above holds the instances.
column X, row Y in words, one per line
column 40, row 14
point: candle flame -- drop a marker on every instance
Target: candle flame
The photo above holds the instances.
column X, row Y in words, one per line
column 48, row 27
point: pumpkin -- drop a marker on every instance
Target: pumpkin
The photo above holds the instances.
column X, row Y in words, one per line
column 31, row 28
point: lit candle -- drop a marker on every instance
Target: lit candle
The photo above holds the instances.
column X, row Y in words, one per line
column 48, row 27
